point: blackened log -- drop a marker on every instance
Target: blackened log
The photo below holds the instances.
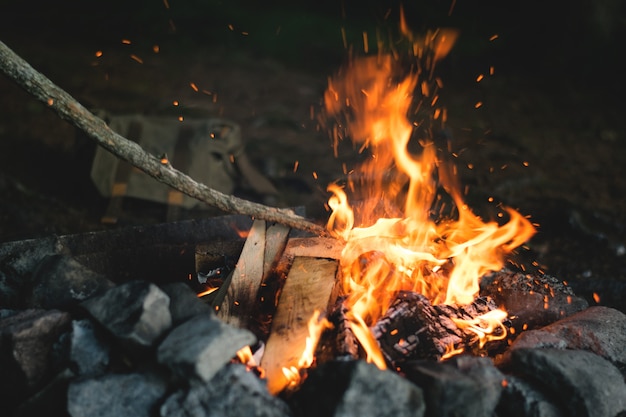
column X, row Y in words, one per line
column 532, row 300
column 346, row 342
column 413, row 328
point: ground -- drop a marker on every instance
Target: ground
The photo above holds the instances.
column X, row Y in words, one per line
column 547, row 140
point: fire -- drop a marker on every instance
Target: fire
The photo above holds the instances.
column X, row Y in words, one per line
column 397, row 237
column 316, row 327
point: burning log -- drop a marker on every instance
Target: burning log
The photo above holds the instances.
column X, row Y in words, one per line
column 413, row 328
column 531, row 300
column 308, row 288
column 72, row 111
column 238, row 298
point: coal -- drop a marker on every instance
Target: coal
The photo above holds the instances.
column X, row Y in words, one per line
column 583, row 383
column 356, row 389
column 136, row 312
column 116, row 395
column 201, row 346
column 233, row 391
column 464, row 385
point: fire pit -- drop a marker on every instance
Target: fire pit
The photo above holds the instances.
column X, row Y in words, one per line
column 409, row 308
column 127, row 345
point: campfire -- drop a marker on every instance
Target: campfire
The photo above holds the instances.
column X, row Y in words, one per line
column 404, row 305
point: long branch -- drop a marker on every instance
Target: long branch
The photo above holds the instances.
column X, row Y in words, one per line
column 72, row 111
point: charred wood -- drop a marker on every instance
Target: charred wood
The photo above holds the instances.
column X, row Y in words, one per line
column 531, row 300
column 413, row 328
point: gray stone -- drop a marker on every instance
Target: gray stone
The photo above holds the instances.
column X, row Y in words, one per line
column 598, row 329
column 115, row 395
column 233, row 392
column 136, row 313
column 464, row 385
column 89, row 353
column 355, row 389
column 201, row 346
column 59, row 281
column 184, row 303
column 583, row 383
column 521, row 398
column 26, row 341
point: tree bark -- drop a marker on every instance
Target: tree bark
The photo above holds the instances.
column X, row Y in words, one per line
column 67, row 108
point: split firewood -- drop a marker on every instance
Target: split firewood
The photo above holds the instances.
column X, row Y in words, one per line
column 309, row 287
column 67, row 108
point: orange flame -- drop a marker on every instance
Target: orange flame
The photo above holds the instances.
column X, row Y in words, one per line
column 316, row 327
column 392, row 241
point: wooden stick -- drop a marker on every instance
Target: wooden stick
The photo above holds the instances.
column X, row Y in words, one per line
column 67, row 108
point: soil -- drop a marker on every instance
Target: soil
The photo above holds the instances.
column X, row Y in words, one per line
column 548, row 139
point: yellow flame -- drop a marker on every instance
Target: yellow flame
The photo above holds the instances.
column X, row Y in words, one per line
column 316, row 327
column 392, row 241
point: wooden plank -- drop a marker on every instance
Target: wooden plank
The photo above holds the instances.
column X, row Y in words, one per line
column 241, row 296
column 317, row 247
column 275, row 242
column 308, row 287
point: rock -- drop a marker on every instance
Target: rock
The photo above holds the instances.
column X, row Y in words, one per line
column 201, row 346
column 356, row 389
column 233, row 391
column 115, row 395
column 598, row 329
column 521, row 398
column 61, row 282
column 26, row 340
column 136, row 313
column 184, row 303
column 464, row 385
column 582, row 383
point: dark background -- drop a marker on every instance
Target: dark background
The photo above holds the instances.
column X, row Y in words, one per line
column 554, row 103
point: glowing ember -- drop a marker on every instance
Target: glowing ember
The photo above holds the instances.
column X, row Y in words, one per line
column 397, row 237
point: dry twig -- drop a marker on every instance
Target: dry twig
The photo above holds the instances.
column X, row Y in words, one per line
column 72, row 111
